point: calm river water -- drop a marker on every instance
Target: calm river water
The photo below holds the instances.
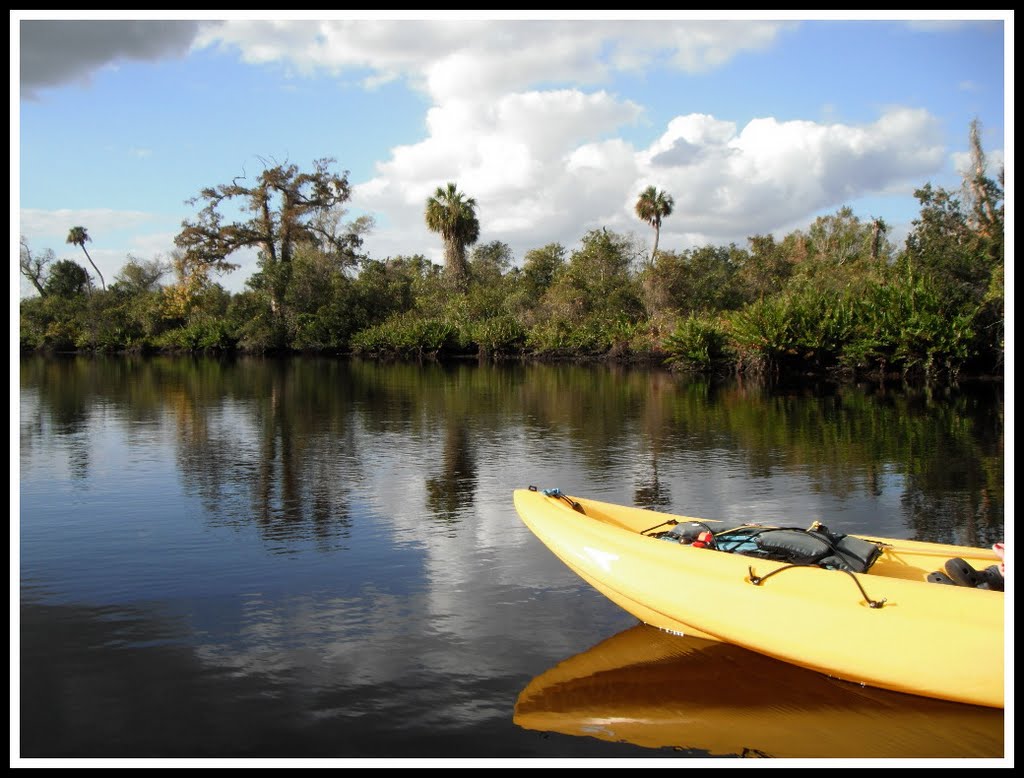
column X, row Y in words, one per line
column 316, row 558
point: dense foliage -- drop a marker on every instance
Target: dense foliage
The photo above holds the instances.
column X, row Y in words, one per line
column 837, row 297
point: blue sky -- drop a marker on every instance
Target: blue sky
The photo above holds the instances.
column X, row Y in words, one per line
column 553, row 126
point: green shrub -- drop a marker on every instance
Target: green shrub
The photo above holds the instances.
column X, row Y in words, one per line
column 497, row 335
column 697, row 343
column 208, row 335
column 758, row 335
column 910, row 326
column 408, row 336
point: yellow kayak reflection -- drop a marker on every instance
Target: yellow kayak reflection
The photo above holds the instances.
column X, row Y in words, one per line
column 658, row 690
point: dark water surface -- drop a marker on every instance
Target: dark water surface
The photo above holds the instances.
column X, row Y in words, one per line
column 312, row 558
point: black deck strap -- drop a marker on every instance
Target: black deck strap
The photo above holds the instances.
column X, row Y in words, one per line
column 673, row 522
column 556, row 492
column 757, row 580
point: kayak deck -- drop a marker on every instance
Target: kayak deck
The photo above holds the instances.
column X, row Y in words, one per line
column 904, row 559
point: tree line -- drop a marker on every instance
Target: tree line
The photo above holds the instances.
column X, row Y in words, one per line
column 837, row 297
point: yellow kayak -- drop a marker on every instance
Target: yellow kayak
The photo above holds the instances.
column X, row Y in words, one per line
column 892, row 626
column 656, row 690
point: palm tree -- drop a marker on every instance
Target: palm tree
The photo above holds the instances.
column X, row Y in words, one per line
column 453, row 215
column 653, row 206
column 78, row 236
column 878, row 230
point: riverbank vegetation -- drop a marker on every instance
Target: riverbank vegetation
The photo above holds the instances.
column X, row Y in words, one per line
column 835, row 298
